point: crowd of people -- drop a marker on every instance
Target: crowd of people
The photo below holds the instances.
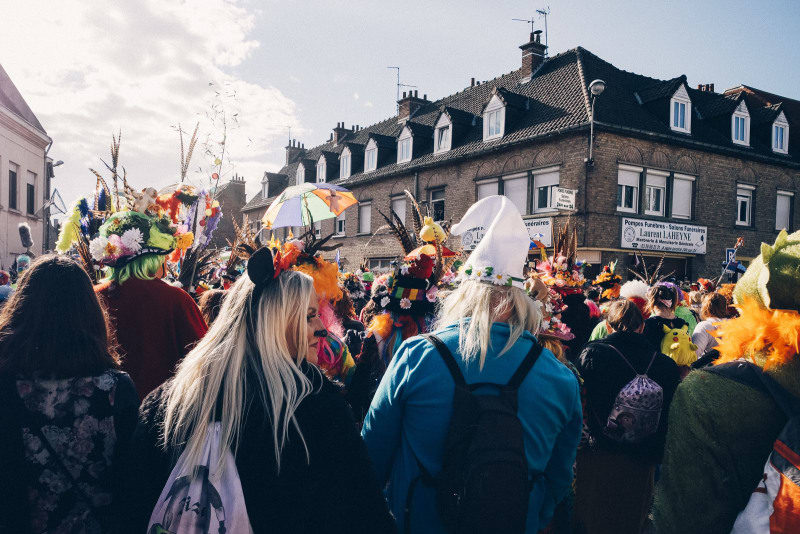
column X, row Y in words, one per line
column 153, row 385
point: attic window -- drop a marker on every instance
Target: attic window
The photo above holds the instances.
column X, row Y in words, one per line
column 344, row 163
column 265, row 189
column 301, row 174
column 494, row 118
column 321, row 170
column 371, row 156
column 740, row 125
column 680, row 111
column 404, row 145
column 442, row 135
column 780, row 135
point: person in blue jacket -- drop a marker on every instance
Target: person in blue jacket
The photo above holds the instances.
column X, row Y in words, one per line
column 489, row 327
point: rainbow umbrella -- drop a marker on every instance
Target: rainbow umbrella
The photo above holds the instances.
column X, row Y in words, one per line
column 298, row 205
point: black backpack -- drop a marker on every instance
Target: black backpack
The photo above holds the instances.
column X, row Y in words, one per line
column 484, row 484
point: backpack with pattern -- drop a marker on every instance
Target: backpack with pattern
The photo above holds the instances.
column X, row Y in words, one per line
column 637, row 407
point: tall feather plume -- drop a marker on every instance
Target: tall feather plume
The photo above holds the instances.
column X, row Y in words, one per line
column 416, row 213
column 400, row 231
column 439, row 269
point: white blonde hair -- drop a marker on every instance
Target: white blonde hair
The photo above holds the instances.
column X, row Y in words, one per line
column 485, row 304
column 245, row 352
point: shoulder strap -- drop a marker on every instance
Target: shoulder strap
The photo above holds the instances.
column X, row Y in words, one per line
column 615, row 349
column 522, row 371
column 753, row 376
column 448, row 359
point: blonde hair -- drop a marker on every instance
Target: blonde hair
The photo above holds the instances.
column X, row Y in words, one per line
column 246, row 350
column 485, row 304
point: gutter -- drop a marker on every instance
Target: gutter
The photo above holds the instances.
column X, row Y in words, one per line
column 46, row 210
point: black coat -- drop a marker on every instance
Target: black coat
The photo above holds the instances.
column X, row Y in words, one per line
column 336, row 492
column 605, row 373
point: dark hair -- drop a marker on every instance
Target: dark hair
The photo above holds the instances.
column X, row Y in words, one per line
column 344, row 306
column 661, row 292
column 714, row 305
column 54, row 325
column 624, row 316
column 210, row 302
column 593, row 294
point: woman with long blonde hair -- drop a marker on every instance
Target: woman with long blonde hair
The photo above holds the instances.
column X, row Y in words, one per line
column 485, row 333
column 301, row 463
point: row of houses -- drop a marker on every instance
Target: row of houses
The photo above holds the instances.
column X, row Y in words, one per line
column 660, row 168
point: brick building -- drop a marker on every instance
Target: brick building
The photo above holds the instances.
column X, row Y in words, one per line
column 231, row 198
column 674, row 170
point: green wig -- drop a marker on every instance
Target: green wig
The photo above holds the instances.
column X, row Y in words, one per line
column 145, row 267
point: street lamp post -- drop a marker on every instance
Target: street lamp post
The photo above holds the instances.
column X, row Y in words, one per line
column 596, row 88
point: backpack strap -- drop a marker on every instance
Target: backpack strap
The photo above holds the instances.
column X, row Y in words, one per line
column 524, row 368
column 448, row 359
column 753, row 376
column 615, row 349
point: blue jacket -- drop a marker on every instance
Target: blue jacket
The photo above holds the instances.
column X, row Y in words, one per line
column 411, row 411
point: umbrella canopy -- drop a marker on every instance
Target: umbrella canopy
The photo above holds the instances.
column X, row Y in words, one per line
column 429, row 250
column 298, row 205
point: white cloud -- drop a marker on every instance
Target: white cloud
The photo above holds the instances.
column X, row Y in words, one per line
column 355, row 96
column 143, row 66
column 368, row 104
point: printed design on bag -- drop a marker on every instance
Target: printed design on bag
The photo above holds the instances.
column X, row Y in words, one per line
column 206, row 508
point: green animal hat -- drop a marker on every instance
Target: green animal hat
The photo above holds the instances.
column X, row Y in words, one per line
column 773, row 278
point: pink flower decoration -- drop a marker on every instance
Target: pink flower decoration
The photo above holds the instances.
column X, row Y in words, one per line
column 431, row 294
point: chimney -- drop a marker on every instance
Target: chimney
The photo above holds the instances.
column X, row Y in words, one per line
column 532, row 54
column 409, row 105
column 472, row 82
column 706, row 87
column 294, row 151
column 340, row 132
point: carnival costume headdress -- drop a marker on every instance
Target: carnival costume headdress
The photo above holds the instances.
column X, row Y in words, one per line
column 562, row 270
column 767, row 330
column 609, row 281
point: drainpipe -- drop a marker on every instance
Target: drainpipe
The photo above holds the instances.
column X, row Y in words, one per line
column 46, row 210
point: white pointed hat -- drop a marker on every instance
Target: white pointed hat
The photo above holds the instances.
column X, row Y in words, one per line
column 500, row 256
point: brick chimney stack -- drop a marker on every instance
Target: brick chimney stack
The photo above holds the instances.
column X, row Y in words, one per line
column 294, row 151
column 340, row 132
column 532, row 54
column 409, row 105
column 707, row 87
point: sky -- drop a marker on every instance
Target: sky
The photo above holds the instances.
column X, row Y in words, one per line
column 250, row 71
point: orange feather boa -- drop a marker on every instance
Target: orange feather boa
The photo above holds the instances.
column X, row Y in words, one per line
column 774, row 335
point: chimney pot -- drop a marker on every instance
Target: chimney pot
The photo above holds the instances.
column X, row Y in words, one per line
column 404, row 94
column 472, row 82
column 712, row 87
column 424, row 97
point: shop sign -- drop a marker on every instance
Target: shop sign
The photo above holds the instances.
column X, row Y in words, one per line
column 540, row 228
column 640, row 234
column 565, row 198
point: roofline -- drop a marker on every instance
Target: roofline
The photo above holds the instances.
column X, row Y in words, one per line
column 688, row 141
column 14, row 120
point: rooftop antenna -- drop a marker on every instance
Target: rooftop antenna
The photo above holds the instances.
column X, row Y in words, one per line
column 544, row 13
column 289, row 126
column 399, row 85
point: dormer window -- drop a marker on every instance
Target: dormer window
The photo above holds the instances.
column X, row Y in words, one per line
column 780, row 134
column 265, row 189
column 442, row 134
column 680, row 111
column 494, row 119
column 344, row 163
column 740, row 125
column 371, row 156
column 404, row 146
column 321, row 170
column 301, row 174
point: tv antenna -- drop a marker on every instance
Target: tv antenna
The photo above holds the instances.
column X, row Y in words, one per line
column 399, row 85
column 532, row 22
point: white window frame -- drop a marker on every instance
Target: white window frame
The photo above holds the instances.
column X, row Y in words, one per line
column 741, row 113
column 322, row 170
column 627, row 181
column 340, row 225
column 783, row 124
column 443, row 200
column 361, row 218
column 30, row 179
column 300, row 176
column 394, row 202
column 345, row 161
column 442, row 125
column 681, row 97
column 495, row 105
column 744, row 193
column 265, row 189
column 371, row 152
column 790, row 196
column 685, row 178
column 406, row 140
column 655, row 180
column 518, row 176
column 543, row 178
column 318, row 229
column 379, row 264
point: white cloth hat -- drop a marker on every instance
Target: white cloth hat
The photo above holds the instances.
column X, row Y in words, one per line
column 500, row 256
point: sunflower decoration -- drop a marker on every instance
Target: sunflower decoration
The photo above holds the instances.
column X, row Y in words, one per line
column 609, row 281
